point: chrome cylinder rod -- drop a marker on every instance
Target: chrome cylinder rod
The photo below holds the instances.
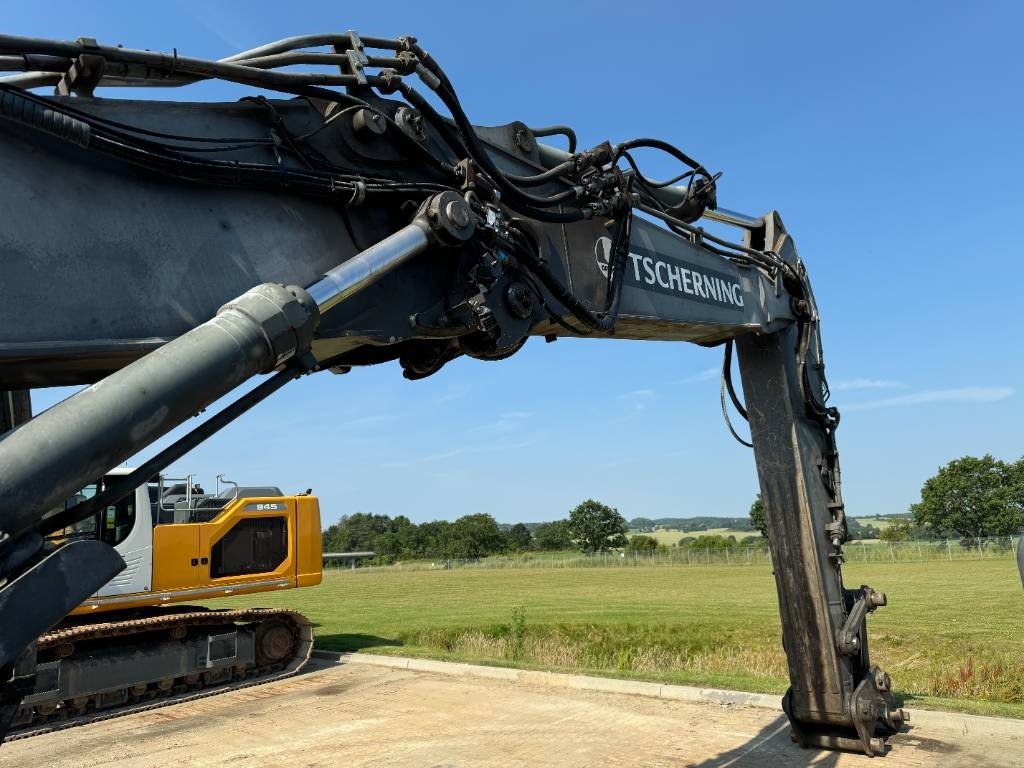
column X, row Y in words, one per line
column 368, row 266
column 446, row 219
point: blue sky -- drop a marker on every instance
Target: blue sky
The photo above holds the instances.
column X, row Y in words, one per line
column 888, row 135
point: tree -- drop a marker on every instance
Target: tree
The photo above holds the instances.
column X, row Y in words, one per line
column 708, row 541
column 641, row 524
column 596, row 527
column 400, row 541
column 355, row 533
column 642, row 543
column 552, row 537
column 475, row 536
column 434, row 539
column 897, row 530
column 519, row 537
column 859, row 530
column 974, row 498
column 757, row 518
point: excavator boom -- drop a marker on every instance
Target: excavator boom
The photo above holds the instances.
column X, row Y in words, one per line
column 189, row 247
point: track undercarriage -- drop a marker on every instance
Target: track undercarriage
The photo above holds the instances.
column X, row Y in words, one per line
column 118, row 664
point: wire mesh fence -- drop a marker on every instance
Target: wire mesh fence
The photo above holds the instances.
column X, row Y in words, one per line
column 858, row 551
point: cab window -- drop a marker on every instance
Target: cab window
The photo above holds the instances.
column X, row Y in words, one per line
column 116, row 521
column 110, row 525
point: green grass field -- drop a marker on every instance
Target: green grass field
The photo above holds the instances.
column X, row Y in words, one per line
column 952, row 635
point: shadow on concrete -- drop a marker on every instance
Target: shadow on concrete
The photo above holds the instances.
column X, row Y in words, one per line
column 771, row 746
column 351, row 642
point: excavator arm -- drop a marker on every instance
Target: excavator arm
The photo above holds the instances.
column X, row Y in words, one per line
column 165, row 252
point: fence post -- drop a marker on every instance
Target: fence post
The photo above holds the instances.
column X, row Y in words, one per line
column 727, row 556
column 949, row 551
column 892, row 552
column 981, row 553
column 864, row 551
column 707, row 551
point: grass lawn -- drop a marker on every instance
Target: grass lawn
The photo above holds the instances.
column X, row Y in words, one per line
column 952, row 635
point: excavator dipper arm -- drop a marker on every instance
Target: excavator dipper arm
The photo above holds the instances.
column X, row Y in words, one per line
column 189, row 247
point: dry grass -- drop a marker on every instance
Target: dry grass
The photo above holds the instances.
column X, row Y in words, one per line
column 953, row 630
column 670, row 536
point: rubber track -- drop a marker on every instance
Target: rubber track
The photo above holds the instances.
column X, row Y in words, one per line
column 205, row 618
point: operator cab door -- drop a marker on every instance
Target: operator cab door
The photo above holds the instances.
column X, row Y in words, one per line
column 127, row 526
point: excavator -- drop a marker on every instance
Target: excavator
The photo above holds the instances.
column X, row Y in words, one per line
column 357, row 216
column 133, row 645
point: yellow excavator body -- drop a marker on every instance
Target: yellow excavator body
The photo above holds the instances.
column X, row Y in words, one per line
column 203, row 560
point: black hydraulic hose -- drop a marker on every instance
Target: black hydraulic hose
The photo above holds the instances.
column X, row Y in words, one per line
column 653, row 184
column 728, row 421
column 38, row 113
column 727, row 378
column 664, row 146
column 511, row 194
column 558, row 130
column 312, row 41
column 542, row 178
column 16, row 105
column 186, row 65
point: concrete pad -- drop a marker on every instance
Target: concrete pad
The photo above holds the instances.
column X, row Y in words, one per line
column 360, row 714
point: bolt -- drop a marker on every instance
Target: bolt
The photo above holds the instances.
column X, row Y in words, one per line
column 878, row 599
column 877, row 746
column 867, row 710
column 523, row 140
column 882, row 680
column 367, row 124
column 458, row 213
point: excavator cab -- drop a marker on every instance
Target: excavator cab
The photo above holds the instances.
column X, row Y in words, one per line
column 239, row 539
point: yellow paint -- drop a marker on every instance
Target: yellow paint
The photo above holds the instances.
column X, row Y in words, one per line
column 175, row 546
column 241, row 509
column 174, row 549
column 309, row 561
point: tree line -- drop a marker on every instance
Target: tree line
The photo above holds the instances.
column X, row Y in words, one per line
column 590, row 527
column 968, row 498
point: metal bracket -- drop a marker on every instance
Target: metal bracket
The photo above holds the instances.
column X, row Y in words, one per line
column 356, row 54
column 848, row 639
column 84, row 74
